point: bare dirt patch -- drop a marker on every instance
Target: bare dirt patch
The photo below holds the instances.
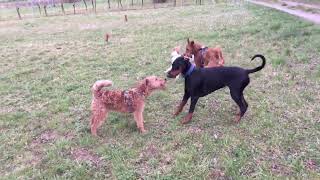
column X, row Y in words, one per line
column 84, row 155
column 35, row 147
column 150, row 153
column 313, row 17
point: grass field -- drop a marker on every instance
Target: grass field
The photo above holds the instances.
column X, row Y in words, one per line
column 49, row 64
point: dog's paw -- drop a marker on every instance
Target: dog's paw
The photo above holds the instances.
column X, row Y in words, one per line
column 186, row 119
column 237, row 118
column 175, row 114
column 143, row 131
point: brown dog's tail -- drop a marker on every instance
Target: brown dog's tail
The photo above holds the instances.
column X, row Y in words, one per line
column 98, row 85
column 259, row 67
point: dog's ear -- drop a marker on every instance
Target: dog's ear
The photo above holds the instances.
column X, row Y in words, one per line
column 188, row 41
column 192, row 43
column 178, row 49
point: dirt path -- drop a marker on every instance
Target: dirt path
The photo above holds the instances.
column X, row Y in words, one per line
column 313, row 17
column 291, row 3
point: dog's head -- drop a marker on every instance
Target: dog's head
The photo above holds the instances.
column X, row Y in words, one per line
column 154, row 82
column 176, row 49
column 191, row 48
column 175, row 53
column 180, row 65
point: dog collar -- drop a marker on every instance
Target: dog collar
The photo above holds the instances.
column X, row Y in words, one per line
column 190, row 70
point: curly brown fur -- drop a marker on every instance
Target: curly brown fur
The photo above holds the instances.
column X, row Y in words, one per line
column 130, row 101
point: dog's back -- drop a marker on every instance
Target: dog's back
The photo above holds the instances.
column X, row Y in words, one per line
column 98, row 85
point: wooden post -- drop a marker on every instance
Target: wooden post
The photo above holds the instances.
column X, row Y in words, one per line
column 18, row 11
column 85, row 4
column 142, row 3
column 45, row 10
column 62, row 8
column 107, row 37
column 109, row 3
column 174, row 3
column 95, row 6
column 39, row 8
column 119, row 3
column 131, row 2
column 74, row 8
column 92, row 4
column 125, row 18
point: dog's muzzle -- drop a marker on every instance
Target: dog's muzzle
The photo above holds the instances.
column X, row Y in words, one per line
column 170, row 75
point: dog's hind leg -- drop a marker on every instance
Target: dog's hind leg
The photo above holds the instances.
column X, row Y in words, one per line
column 237, row 96
column 244, row 101
column 98, row 117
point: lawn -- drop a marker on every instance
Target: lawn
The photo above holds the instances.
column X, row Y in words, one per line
column 48, row 65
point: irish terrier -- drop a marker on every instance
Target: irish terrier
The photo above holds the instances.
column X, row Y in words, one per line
column 204, row 56
column 129, row 101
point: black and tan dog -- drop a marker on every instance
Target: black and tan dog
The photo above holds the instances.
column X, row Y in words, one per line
column 200, row 82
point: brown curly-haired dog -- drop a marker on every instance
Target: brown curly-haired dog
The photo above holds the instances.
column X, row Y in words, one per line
column 129, row 101
column 204, row 56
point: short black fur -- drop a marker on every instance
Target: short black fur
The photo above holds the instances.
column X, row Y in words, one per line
column 203, row 81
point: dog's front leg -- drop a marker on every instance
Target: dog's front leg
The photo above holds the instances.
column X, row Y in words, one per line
column 184, row 101
column 188, row 117
column 138, row 116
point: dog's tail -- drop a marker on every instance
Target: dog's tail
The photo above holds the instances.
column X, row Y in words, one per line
column 98, row 85
column 259, row 67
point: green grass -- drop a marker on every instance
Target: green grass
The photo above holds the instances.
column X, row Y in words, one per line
column 49, row 63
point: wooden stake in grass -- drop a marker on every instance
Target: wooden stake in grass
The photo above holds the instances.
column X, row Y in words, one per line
column 125, row 18
column 74, row 8
column 109, row 3
column 18, row 11
column 107, row 37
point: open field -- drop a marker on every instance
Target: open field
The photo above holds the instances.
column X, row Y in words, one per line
column 48, row 65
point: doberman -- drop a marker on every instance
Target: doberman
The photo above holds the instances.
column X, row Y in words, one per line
column 200, row 82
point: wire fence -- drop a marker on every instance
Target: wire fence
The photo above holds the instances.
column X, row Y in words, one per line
column 36, row 8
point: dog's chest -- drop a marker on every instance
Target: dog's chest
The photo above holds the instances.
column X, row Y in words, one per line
column 129, row 98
